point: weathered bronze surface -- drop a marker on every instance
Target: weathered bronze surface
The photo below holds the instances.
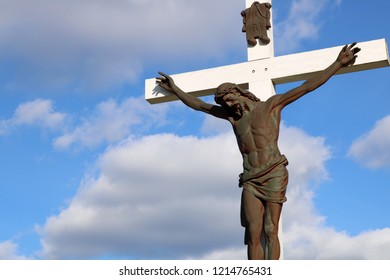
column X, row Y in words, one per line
column 256, row 20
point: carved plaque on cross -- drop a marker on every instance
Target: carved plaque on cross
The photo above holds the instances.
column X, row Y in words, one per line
column 256, row 22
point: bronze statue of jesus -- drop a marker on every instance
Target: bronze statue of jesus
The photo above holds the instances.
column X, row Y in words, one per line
column 256, row 127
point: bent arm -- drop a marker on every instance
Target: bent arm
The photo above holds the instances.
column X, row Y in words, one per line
column 346, row 57
column 167, row 83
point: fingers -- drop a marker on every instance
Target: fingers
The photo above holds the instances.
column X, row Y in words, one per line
column 164, row 77
column 164, row 81
column 163, row 74
column 356, row 50
column 352, row 45
column 160, row 80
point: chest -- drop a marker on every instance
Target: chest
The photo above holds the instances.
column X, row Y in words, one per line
column 260, row 118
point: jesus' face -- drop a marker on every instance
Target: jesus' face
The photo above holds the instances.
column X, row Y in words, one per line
column 233, row 102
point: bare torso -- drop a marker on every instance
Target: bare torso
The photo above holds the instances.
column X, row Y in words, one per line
column 257, row 133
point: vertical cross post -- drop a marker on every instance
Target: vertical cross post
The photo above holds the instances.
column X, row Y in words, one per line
column 263, row 87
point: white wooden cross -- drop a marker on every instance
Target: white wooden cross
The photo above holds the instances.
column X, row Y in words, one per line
column 263, row 70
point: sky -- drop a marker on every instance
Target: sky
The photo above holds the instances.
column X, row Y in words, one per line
column 90, row 170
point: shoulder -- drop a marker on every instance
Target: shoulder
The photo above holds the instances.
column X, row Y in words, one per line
column 275, row 102
column 269, row 104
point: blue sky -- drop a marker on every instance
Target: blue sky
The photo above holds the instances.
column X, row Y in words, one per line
column 90, row 170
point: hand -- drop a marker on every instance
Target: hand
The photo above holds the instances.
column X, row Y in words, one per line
column 347, row 55
column 166, row 82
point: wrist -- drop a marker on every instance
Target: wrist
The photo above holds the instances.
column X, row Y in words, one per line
column 338, row 63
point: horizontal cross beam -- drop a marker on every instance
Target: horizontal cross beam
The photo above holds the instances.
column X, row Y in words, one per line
column 279, row 70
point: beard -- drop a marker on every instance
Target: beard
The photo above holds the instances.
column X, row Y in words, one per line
column 237, row 110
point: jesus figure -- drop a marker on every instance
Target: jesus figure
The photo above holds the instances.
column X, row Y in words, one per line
column 256, row 127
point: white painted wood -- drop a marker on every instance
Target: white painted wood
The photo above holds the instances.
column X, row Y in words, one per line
column 264, row 72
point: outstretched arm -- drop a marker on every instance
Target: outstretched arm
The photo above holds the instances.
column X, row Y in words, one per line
column 167, row 83
column 346, row 57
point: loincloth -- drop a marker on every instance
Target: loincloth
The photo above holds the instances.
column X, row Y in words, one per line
column 268, row 182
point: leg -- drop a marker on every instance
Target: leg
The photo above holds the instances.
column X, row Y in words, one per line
column 253, row 210
column 271, row 228
column 273, row 211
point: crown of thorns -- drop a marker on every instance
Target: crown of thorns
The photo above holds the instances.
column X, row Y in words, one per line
column 226, row 88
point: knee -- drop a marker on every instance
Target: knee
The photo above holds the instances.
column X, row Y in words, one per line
column 271, row 230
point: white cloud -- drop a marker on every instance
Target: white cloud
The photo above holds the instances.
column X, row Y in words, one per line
column 37, row 113
column 40, row 113
column 302, row 23
column 303, row 242
column 373, row 148
column 99, row 44
column 238, row 253
column 9, row 251
column 307, row 156
column 111, row 122
column 151, row 199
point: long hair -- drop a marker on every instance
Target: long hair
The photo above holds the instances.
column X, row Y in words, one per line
column 225, row 88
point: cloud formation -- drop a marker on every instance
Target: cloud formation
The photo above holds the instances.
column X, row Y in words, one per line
column 110, row 122
column 37, row 113
column 151, row 199
column 40, row 113
column 9, row 251
column 302, row 23
column 98, row 44
column 373, row 148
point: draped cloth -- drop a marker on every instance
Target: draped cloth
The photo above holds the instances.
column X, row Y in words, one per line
column 256, row 20
column 269, row 181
